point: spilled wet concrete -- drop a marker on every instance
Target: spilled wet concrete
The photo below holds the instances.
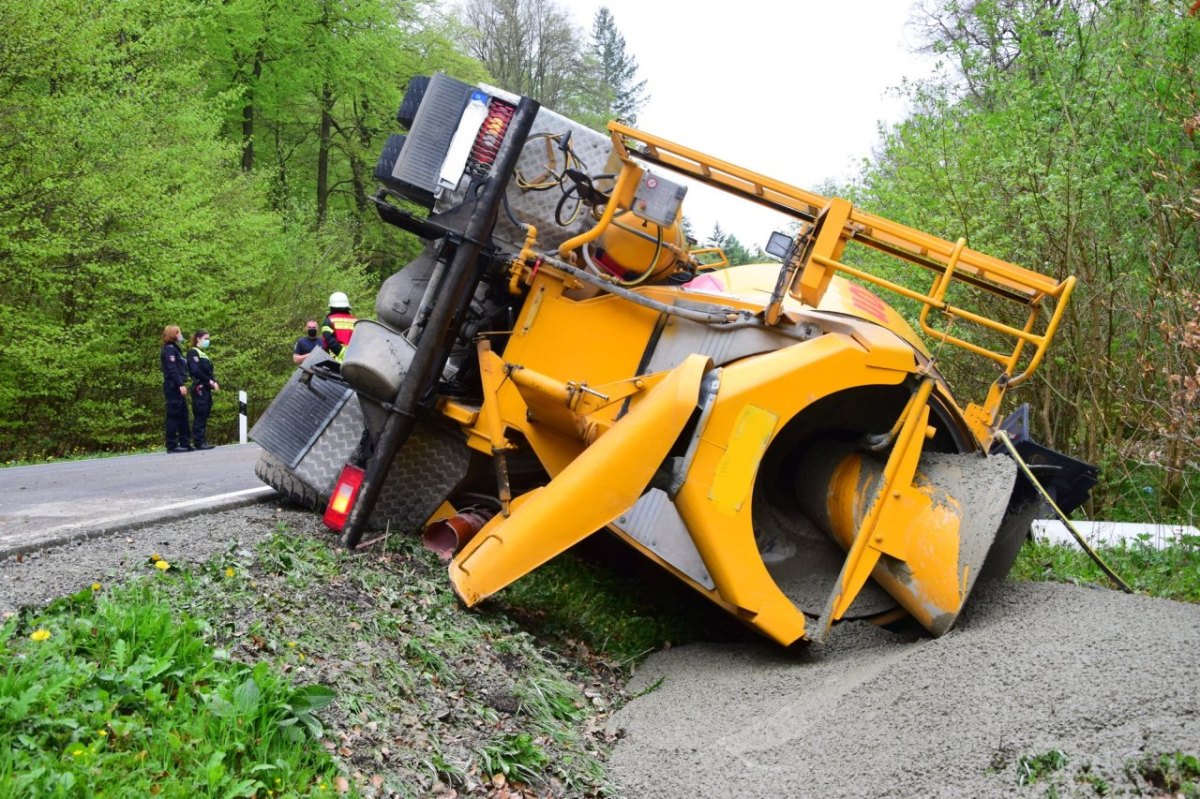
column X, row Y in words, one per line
column 1105, row 679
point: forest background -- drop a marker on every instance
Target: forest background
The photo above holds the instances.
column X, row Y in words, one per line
column 209, row 164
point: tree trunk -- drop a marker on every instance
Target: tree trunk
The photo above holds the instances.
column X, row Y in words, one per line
column 248, row 115
column 324, row 136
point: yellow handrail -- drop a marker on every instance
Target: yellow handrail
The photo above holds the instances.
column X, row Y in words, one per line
column 954, row 262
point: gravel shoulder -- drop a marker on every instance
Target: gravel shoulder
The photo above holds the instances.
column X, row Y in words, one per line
column 38, row 577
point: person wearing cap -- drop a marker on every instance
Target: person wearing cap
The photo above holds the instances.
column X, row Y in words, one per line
column 310, row 341
column 338, row 326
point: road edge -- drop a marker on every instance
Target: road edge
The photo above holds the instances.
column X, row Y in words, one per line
column 84, row 531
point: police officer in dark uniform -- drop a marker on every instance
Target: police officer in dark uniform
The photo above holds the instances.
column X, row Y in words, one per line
column 179, row 438
column 203, row 385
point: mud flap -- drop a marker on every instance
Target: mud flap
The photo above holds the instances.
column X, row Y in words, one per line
column 314, row 426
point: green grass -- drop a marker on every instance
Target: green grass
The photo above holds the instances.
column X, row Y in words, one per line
column 603, row 599
column 516, row 756
column 118, row 695
column 1034, row 768
column 1135, row 492
column 79, row 455
column 209, row 680
column 428, row 692
column 1173, row 572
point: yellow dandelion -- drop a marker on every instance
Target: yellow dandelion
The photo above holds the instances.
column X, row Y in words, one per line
column 229, row 571
column 155, row 558
column 103, row 733
column 162, row 565
column 40, row 634
column 292, row 644
column 95, row 586
column 302, row 656
column 78, row 752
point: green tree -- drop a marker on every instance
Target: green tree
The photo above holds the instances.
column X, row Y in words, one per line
column 124, row 210
column 626, row 95
column 528, row 47
column 717, row 237
column 1059, row 142
column 311, row 89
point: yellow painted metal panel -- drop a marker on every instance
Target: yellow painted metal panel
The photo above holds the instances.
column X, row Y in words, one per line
column 737, row 467
column 782, row 383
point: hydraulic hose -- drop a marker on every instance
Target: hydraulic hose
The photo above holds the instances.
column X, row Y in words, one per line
column 718, row 317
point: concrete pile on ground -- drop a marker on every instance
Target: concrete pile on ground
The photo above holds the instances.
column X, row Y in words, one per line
column 1041, row 690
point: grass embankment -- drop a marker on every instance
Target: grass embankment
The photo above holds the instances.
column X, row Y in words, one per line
column 1172, row 573
column 118, row 695
column 297, row 670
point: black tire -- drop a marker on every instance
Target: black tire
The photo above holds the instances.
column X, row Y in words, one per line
column 272, row 471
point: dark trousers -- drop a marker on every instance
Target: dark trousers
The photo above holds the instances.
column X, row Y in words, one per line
column 177, row 419
column 201, row 407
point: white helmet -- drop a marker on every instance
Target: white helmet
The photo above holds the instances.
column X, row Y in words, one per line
column 338, row 299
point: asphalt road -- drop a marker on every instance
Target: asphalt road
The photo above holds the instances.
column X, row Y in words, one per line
column 53, row 503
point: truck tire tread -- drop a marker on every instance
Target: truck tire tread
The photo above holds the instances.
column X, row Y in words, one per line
column 274, row 473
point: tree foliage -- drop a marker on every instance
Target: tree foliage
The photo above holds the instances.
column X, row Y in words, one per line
column 736, row 253
column 618, row 69
column 1058, row 138
column 311, row 88
column 161, row 162
column 531, row 47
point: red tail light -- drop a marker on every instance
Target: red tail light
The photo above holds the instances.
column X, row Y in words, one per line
column 345, row 492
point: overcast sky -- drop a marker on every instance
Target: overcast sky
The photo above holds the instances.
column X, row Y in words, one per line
column 794, row 90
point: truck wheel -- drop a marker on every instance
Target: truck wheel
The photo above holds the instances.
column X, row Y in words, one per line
column 271, row 471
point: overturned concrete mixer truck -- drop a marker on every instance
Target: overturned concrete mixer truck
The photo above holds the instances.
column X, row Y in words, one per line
column 559, row 360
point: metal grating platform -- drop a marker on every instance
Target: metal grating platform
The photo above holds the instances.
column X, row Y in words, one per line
column 298, row 415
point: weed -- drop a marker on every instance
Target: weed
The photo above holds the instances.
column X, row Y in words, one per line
column 1174, row 774
column 517, row 757
column 1098, row 783
column 549, row 698
column 416, row 679
column 121, row 694
column 427, row 659
column 1032, row 768
column 649, row 689
column 442, row 769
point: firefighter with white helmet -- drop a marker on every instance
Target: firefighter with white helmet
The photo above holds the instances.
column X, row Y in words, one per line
column 338, row 326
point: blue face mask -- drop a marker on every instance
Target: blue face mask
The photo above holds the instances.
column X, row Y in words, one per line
column 204, row 344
